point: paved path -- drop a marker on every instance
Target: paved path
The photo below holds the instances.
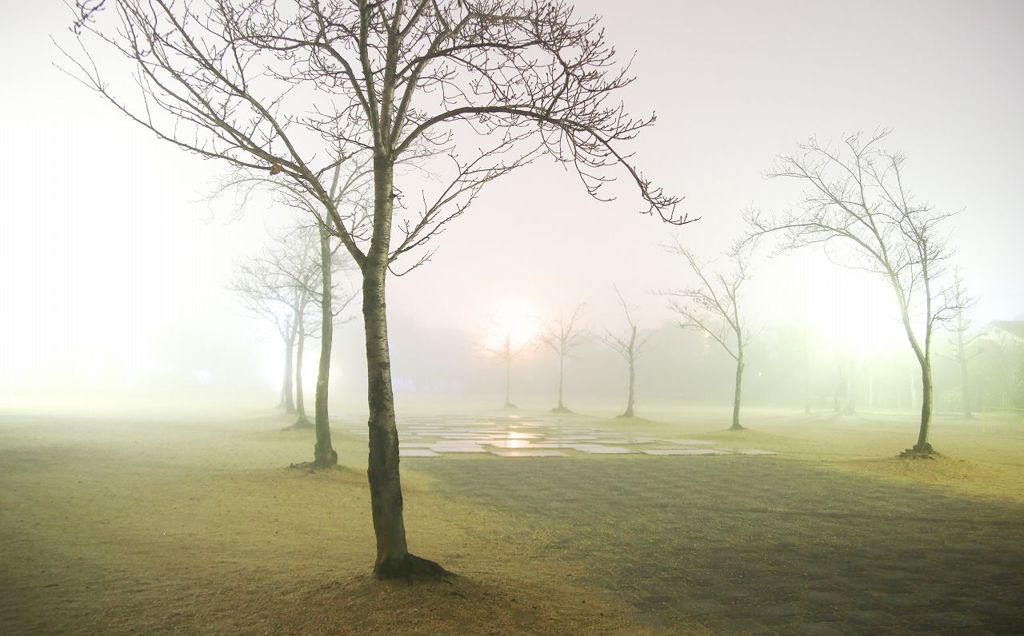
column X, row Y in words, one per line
column 516, row 436
column 765, row 545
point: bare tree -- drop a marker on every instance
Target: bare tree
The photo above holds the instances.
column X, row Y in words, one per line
column 507, row 353
column 713, row 307
column 348, row 190
column 960, row 324
column 259, row 290
column 314, row 275
column 486, row 85
column 562, row 337
column 629, row 345
column 277, row 286
column 858, row 208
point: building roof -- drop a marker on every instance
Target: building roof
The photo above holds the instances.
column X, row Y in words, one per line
column 1014, row 328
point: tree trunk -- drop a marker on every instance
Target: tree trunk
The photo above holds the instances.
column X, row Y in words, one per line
column 807, row 380
column 632, row 375
column 324, row 454
column 283, row 402
column 966, row 391
column 393, row 557
column 508, row 372
column 922, row 445
column 289, row 355
column 300, row 401
column 850, row 407
column 561, row 381
column 737, row 395
column 961, row 356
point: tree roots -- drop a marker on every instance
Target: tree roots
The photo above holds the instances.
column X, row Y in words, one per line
column 303, row 423
column 411, row 568
column 920, row 451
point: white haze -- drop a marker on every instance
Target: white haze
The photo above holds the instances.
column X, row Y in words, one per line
column 113, row 266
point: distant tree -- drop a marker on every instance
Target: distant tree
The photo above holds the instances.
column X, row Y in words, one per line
column 858, row 208
column 628, row 344
column 263, row 299
column 712, row 306
column 285, row 285
column 485, row 86
column 275, row 287
column 562, row 337
column 349, row 190
column 507, row 353
column 960, row 324
column 301, row 273
column 501, row 341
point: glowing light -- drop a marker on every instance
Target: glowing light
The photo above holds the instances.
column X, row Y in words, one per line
column 513, row 321
column 856, row 310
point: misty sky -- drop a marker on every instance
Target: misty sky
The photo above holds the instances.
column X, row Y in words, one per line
column 111, row 259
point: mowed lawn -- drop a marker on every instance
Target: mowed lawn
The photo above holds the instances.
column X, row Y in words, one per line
column 198, row 525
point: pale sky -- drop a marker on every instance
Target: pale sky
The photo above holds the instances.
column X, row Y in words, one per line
column 111, row 261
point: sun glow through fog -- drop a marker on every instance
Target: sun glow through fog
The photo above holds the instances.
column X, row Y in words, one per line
column 514, row 320
column 854, row 310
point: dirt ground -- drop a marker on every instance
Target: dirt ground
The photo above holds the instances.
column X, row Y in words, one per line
column 196, row 525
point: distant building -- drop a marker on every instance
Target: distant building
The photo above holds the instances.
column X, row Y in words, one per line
column 1000, row 366
column 1004, row 332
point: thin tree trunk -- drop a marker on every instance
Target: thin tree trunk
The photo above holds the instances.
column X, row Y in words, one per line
column 632, row 374
column 300, row 400
column 924, row 358
column 850, row 391
column 966, row 390
column 289, row 371
column 508, row 372
column 807, row 379
column 393, row 557
column 561, row 380
column 324, row 454
column 961, row 356
column 922, row 445
column 282, row 403
column 737, row 395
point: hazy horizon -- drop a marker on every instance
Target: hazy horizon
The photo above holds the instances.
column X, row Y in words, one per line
column 114, row 266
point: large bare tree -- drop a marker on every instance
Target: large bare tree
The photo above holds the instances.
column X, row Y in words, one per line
column 712, row 306
column 562, row 337
column 478, row 87
column 857, row 206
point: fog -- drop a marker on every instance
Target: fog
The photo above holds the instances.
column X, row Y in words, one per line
column 122, row 309
column 115, row 265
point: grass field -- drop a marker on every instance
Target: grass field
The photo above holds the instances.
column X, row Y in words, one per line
column 197, row 525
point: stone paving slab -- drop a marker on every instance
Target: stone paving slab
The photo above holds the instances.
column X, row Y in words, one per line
column 598, row 449
column 472, row 435
column 457, row 448
column 513, row 443
column 689, row 442
column 416, row 452
column 684, row 451
column 527, row 453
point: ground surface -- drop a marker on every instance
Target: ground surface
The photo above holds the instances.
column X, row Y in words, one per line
column 121, row 525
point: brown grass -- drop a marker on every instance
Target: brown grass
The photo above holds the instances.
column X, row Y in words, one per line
column 117, row 527
column 197, row 526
